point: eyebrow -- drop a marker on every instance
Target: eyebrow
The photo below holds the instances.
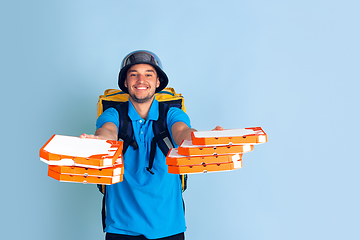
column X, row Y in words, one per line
column 150, row 70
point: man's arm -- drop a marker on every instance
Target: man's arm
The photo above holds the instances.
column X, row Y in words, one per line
column 180, row 131
column 108, row 131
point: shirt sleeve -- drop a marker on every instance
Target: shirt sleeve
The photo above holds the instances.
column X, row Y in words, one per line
column 109, row 115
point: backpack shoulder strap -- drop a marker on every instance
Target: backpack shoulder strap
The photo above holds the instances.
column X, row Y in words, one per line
column 161, row 137
column 161, row 132
column 125, row 131
column 163, row 140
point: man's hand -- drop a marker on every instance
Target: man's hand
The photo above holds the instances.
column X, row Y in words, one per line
column 84, row 135
column 107, row 132
column 218, row 128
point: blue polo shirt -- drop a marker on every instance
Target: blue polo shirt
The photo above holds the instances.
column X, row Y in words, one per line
column 145, row 204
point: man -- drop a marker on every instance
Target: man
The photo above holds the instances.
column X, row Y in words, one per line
column 144, row 205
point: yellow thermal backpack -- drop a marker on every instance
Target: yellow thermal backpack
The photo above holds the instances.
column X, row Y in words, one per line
column 167, row 98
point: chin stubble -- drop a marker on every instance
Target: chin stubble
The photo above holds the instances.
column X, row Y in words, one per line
column 141, row 100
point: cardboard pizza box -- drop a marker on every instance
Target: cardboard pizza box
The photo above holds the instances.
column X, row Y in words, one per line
column 75, row 151
column 85, row 179
column 174, row 158
column 205, row 168
column 115, row 170
column 188, row 149
column 230, row 136
column 81, row 162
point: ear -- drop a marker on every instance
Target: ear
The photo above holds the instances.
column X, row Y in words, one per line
column 125, row 83
column 157, row 83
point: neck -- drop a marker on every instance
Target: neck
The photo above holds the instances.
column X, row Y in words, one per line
column 142, row 108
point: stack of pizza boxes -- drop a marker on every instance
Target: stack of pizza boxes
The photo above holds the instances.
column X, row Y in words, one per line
column 213, row 151
column 74, row 159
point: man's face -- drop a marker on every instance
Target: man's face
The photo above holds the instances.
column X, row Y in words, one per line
column 141, row 82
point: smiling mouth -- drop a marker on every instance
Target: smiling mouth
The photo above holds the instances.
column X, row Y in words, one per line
column 141, row 87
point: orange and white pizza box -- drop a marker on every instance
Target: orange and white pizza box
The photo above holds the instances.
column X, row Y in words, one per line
column 85, row 179
column 75, row 151
column 254, row 135
column 174, row 158
column 205, row 168
column 188, row 149
column 115, row 170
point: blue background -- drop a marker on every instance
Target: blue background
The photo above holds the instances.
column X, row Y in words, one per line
column 291, row 67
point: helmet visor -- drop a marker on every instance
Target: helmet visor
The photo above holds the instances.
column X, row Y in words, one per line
column 141, row 57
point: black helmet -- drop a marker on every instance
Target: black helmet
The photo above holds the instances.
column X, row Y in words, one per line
column 138, row 57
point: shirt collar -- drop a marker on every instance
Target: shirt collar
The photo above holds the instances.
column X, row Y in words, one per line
column 152, row 115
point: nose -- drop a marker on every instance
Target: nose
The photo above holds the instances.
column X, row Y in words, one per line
column 141, row 78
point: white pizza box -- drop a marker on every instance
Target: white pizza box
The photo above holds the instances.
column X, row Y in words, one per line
column 205, row 168
column 253, row 135
column 115, row 170
column 85, row 152
column 104, row 180
column 187, row 148
column 175, row 159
